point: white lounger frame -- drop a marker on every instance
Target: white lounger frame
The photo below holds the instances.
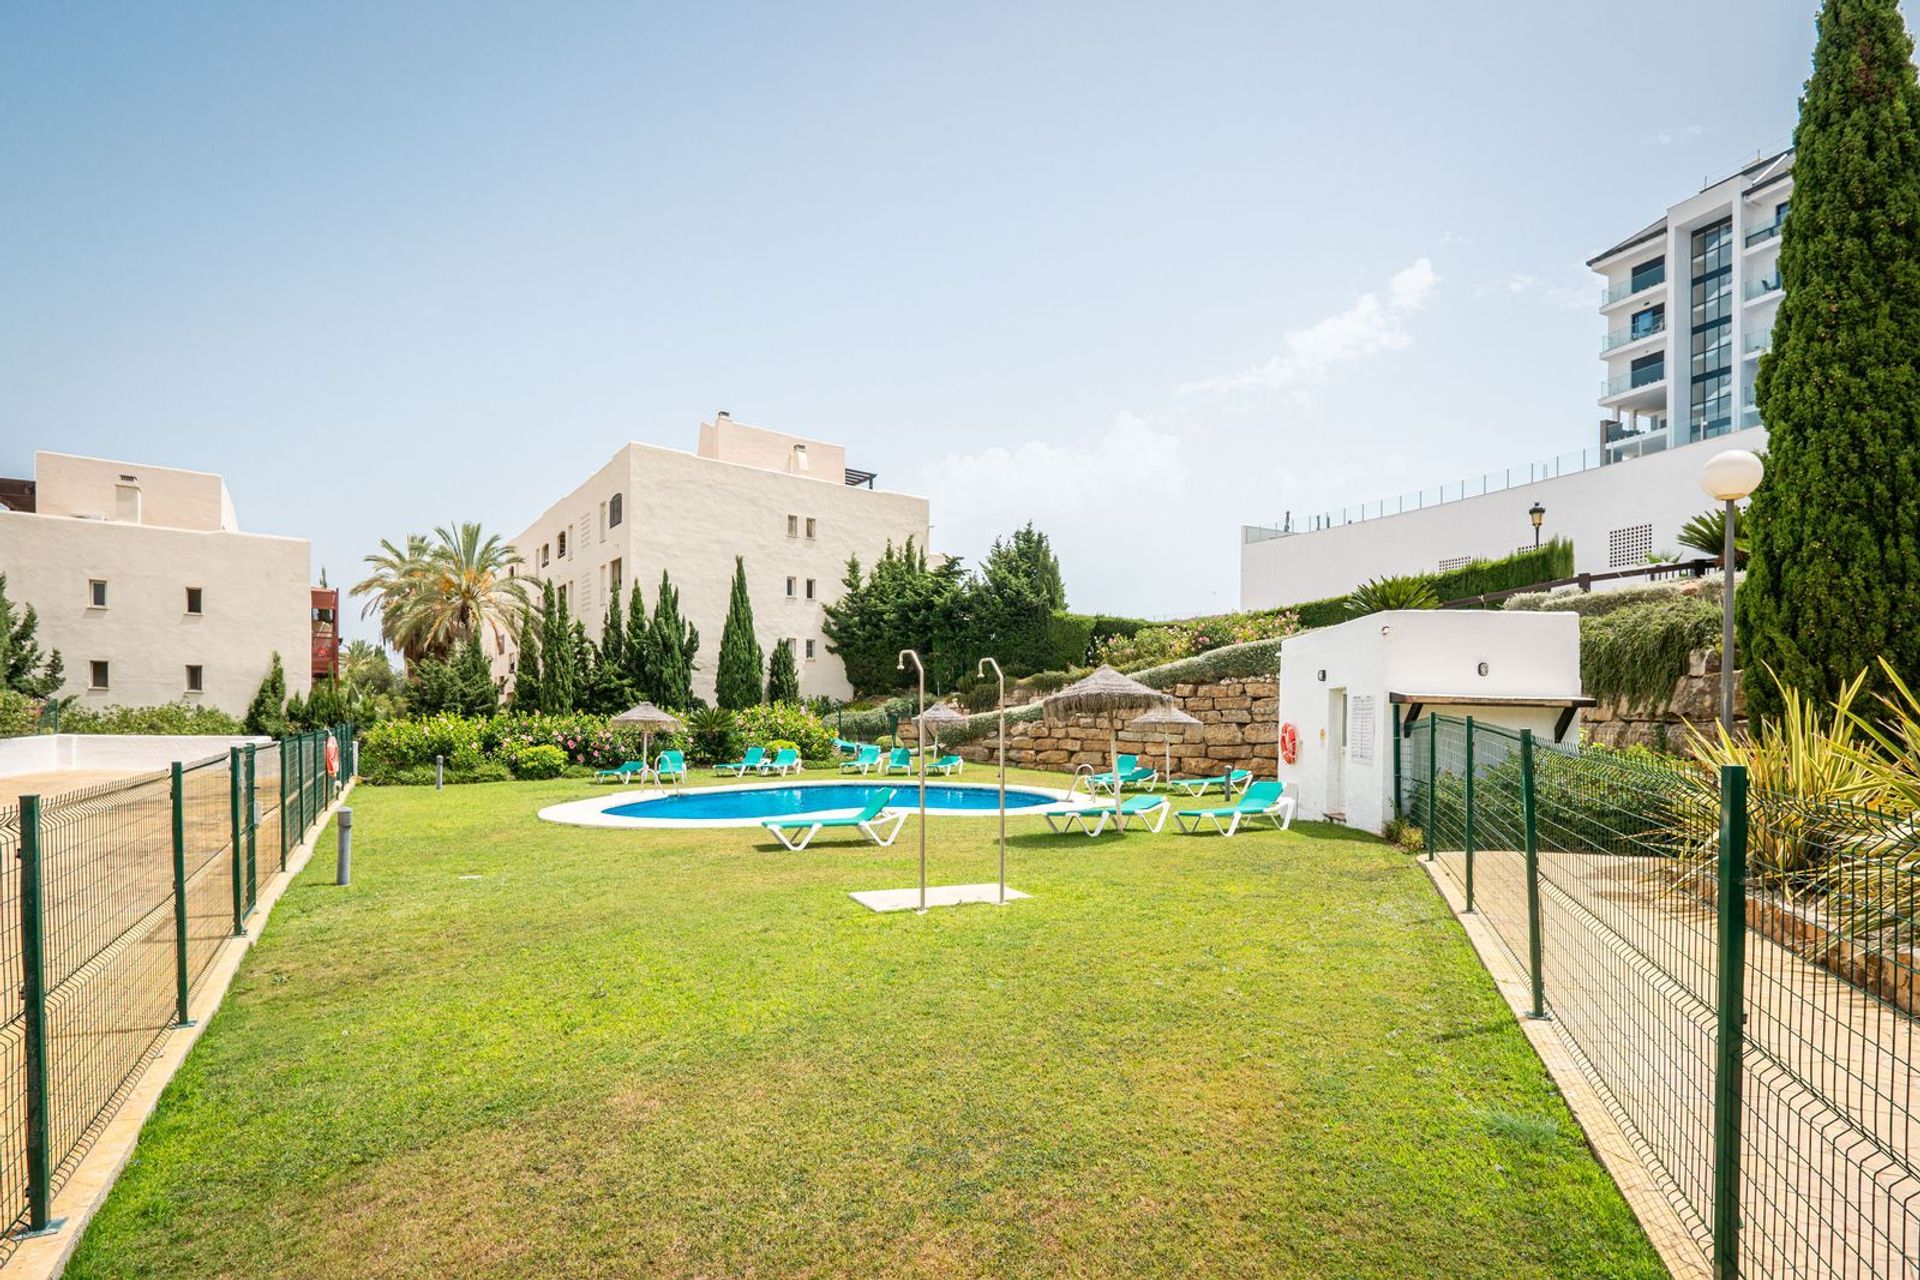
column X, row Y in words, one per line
column 1078, row 818
column 1273, row 811
column 869, row 828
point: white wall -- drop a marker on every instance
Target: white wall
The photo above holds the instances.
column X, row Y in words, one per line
column 131, row 753
column 1661, row 490
column 1411, row 652
column 690, row 516
column 254, row 591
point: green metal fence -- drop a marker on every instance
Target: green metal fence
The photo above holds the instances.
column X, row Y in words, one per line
column 1734, row 972
column 114, row 903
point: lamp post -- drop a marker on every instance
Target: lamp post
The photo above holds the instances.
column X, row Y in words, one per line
column 920, row 708
column 1000, row 702
column 1729, row 477
column 1537, row 514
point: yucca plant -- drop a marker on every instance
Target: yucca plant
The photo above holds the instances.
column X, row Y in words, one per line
column 1377, row 594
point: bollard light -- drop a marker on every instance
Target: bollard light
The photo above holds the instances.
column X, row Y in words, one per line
column 343, row 866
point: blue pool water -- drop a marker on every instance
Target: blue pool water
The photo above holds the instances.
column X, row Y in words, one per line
column 812, row 797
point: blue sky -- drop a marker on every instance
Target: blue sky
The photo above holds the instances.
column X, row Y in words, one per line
column 1137, row 273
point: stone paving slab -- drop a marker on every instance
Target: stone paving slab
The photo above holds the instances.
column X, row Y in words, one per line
column 941, row 895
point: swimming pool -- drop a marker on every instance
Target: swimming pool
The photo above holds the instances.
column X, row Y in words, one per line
column 748, row 806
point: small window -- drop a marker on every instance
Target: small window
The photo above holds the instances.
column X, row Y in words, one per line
column 793, row 526
column 613, row 573
column 790, row 583
column 97, row 674
column 809, row 651
column 809, row 526
column 560, row 546
column 97, row 592
column 193, row 600
column 194, row 682
column 809, row 588
column 615, row 510
column 544, row 557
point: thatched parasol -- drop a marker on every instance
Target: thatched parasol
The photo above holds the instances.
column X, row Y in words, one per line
column 1105, row 692
column 930, row 721
column 1164, row 718
column 650, row 720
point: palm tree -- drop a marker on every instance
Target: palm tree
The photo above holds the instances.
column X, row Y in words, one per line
column 398, row 576
column 439, row 592
column 1707, row 532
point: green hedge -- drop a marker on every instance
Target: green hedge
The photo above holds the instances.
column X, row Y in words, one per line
column 1550, row 560
column 1592, row 604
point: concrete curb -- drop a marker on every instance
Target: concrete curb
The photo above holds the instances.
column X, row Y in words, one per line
column 1676, row 1245
column 85, row 1190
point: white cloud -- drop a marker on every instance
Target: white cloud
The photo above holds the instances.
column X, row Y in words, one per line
column 1574, row 289
column 1678, row 133
column 1371, row 325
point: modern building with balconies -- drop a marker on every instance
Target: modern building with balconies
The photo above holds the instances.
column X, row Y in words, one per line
column 1688, row 302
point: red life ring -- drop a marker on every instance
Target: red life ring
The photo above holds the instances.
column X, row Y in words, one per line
column 333, row 757
column 1289, row 743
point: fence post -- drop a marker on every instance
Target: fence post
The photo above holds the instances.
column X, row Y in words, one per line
column 34, row 1001
column 253, row 835
column 1731, row 1033
column 1530, row 815
column 238, row 833
column 1469, row 817
column 281, row 746
column 1433, row 779
column 180, row 1018
column 1396, row 761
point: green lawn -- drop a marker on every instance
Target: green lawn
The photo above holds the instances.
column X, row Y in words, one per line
column 513, row 1049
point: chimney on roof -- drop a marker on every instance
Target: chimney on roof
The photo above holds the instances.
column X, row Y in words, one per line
column 723, row 414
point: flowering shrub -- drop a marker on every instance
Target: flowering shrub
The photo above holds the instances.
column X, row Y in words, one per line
column 487, row 748
column 786, row 722
column 535, row 762
column 1151, row 646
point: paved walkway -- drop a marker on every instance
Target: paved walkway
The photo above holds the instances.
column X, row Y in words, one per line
column 1829, row 1186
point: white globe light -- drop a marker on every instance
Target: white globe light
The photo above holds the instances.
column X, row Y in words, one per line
column 1732, row 475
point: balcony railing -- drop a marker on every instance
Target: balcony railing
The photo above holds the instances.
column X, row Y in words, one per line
column 1767, row 232
column 1632, row 333
column 1632, row 381
column 1758, row 341
column 1764, row 286
column 1627, row 288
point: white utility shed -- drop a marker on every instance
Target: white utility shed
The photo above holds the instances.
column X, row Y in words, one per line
column 1341, row 686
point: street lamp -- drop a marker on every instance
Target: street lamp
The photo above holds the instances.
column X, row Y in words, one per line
column 1729, row 477
column 1536, row 513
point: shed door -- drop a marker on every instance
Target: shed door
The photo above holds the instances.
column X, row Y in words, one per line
column 1336, row 751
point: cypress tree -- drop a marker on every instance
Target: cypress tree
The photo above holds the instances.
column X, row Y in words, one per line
column 736, row 682
column 526, row 672
column 783, row 676
column 1833, row 569
column 22, row 668
column 672, row 642
column 558, row 679
column 473, row 691
column 637, row 658
column 267, row 713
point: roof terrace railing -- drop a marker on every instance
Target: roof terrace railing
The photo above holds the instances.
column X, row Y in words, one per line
column 1418, row 499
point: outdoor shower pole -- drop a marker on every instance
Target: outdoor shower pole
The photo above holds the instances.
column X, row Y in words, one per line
column 920, row 738
column 1000, row 701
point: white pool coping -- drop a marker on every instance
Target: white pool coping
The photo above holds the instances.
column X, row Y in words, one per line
column 592, row 811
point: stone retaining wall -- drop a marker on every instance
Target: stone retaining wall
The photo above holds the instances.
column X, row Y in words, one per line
column 1236, row 731
column 1695, row 700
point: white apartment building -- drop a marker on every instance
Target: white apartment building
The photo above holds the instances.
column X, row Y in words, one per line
column 791, row 506
column 1688, row 302
column 145, row 583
